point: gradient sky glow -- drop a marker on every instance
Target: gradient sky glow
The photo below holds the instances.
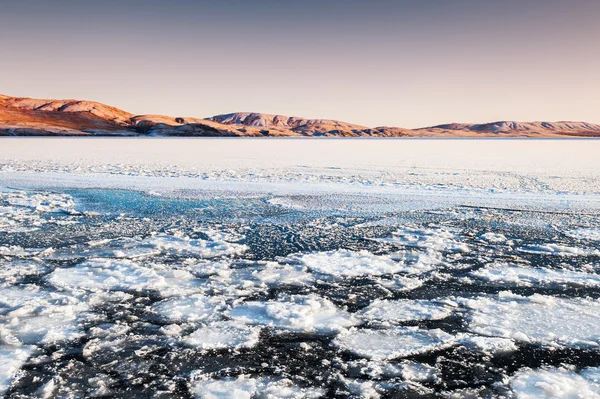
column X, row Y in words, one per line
column 408, row 63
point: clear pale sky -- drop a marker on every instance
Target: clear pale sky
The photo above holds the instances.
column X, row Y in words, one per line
column 372, row 62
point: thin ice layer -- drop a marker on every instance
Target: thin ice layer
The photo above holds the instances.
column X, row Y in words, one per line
column 437, row 239
column 392, row 343
column 124, row 275
column 505, row 273
column 295, row 312
column 556, row 383
column 395, row 311
column 537, row 319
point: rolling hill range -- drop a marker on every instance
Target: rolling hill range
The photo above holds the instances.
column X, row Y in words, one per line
column 38, row 117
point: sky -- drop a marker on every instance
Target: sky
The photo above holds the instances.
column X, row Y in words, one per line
column 407, row 63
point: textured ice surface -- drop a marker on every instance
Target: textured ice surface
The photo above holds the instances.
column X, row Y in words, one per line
column 392, row 343
column 245, row 388
column 556, row 383
column 14, row 270
column 221, row 335
column 300, row 313
column 590, row 234
column 537, row 319
column 405, row 310
column 350, row 264
column 124, row 275
column 11, row 360
column 489, row 344
column 503, row 273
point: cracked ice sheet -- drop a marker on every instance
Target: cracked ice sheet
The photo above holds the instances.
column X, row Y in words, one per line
column 347, row 263
column 244, row 387
column 556, row 383
column 393, row 342
column 524, row 276
column 294, row 312
column 572, row 322
column 224, row 334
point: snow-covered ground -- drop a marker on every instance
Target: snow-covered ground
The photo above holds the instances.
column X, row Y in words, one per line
column 299, row 268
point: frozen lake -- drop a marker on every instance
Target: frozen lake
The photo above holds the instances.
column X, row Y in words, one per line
column 299, row 268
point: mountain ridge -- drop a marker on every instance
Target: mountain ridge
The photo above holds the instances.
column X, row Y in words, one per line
column 22, row 116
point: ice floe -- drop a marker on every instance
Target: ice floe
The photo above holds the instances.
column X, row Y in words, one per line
column 519, row 275
column 559, row 250
column 556, row 383
column 393, row 342
column 437, row 239
column 401, row 310
column 347, row 263
column 220, row 335
column 191, row 308
column 590, row 234
column 244, row 387
column 30, row 315
column 294, row 312
column 537, row 319
column 11, row 360
column 124, row 275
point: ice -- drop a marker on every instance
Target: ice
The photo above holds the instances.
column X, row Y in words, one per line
column 124, row 275
column 392, row 343
column 164, row 244
column 31, row 315
column 556, row 383
column 590, row 234
column 294, row 312
column 407, row 370
column 222, row 335
column 347, row 263
column 14, row 270
column 437, row 239
column 494, row 238
column 489, row 344
column 537, row 319
column 559, row 250
column 505, row 273
column 11, row 360
column 190, row 308
column 396, row 311
column 244, row 387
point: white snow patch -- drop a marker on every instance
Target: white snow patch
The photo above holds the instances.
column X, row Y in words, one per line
column 440, row 240
column 189, row 309
column 493, row 238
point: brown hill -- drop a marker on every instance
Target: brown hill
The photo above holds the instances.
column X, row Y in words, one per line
column 37, row 117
